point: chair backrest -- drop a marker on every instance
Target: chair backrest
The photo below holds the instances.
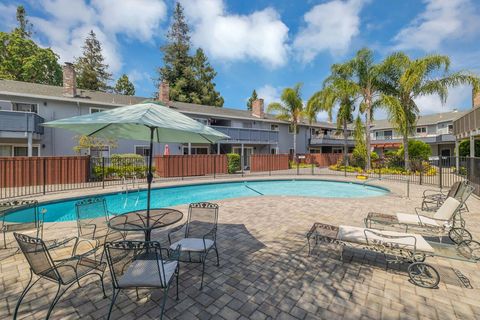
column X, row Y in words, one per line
column 464, row 191
column 454, row 189
column 37, row 255
column 202, row 218
column 90, row 211
column 447, row 209
column 21, row 213
column 122, row 256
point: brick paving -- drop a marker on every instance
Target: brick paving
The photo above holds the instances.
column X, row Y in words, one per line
column 265, row 272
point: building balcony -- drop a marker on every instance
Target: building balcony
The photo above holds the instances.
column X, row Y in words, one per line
column 329, row 139
column 248, row 135
column 15, row 124
column 428, row 138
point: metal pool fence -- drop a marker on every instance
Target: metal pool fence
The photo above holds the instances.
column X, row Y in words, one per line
column 27, row 176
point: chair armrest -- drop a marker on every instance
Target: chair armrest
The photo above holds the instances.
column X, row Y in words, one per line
column 174, row 230
column 93, row 249
column 212, row 233
column 52, row 244
column 388, row 244
column 430, row 192
column 88, row 226
column 174, row 254
column 418, row 210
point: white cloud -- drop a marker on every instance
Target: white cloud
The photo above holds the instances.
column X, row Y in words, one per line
column 259, row 36
column 136, row 76
column 458, row 97
column 269, row 94
column 69, row 22
column 330, row 27
column 442, row 20
column 7, row 16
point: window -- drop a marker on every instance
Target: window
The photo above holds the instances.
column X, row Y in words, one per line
column 273, row 151
column 246, row 124
column 274, row 127
column 337, row 150
column 142, row 150
column 290, row 129
column 315, row 150
column 95, row 110
column 196, row 150
column 291, row 151
column 450, row 128
column 5, row 105
column 25, row 107
column 421, row 129
column 5, row 151
column 100, row 152
column 20, row 151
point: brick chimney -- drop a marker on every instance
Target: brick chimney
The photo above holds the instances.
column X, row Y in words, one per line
column 69, row 80
column 164, row 92
column 257, row 108
column 475, row 100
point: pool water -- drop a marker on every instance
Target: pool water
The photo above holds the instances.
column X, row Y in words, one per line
column 171, row 196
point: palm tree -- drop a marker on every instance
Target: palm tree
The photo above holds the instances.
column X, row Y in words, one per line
column 290, row 109
column 338, row 89
column 367, row 77
column 407, row 79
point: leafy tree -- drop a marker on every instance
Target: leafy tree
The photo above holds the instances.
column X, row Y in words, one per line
column 24, row 28
column 204, row 85
column 417, row 149
column 368, row 79
column 92, row 71
column 87, row 142
column 124, row 86
column 21, row 59
column 290, row 109
column 190, row 77
column 407, row 79
column 464, row 148
column 338, row 89
column 252, row 98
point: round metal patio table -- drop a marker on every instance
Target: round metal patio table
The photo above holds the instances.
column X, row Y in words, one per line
column 137, row 220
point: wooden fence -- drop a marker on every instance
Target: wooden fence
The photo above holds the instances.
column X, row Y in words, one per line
column 35, row 171
column 190, row 165
column 268, row 162
column 323, row 159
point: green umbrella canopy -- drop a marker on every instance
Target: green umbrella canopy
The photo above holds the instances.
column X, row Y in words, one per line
column 135, row 122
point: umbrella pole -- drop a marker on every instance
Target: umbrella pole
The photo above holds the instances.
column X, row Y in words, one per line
column 149, row 181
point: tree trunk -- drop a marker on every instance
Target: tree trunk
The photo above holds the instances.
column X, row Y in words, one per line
column 405, row 152
column 368, row 165
column 294, row 139
column 345, row 143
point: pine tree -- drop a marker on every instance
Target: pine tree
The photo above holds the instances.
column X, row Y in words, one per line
column 92, row 72
column 190, row 77
column 24, row 28
column 204, row 75
column 124, row 86
column 253, row 97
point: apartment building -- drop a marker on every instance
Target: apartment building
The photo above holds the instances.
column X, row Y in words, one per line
column 435, row 129
column 24, row 106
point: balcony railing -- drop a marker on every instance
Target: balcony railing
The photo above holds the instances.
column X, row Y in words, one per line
column 15, row 121
column 248, row 135
column 336, row 139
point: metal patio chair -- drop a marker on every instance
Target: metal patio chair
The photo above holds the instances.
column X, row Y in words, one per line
column 20, row 215
column 141, row 264
column 199, row 235
column 63, row 272
column 433, row 199
column 92, row 223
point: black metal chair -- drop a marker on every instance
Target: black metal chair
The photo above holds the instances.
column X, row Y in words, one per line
column 92, row 223
column 141, row 264
column 64, row 272
column 200, row 234
column 20, row 215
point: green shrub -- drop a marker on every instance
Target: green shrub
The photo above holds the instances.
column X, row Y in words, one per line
column 122, row 166
column 417, row 150
column 464, row 148
column 233, row 162
column 293, row 164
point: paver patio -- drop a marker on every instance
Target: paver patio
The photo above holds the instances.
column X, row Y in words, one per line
column 265, row 271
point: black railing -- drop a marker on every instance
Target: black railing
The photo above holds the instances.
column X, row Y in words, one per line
column 26, row 176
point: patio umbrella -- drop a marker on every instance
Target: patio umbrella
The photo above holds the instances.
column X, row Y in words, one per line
column 148, row 121
column 166, row 150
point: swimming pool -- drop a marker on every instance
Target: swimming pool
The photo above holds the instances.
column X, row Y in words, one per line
column 118, row 203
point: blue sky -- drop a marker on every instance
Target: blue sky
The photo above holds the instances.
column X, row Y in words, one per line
column 264, row 44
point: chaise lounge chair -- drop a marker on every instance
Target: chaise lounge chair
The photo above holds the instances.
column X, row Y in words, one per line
column 398, row 247
column 433, row 199
column 447, row 220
